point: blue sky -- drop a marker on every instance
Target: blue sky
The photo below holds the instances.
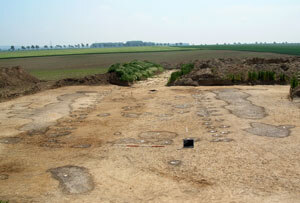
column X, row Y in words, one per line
column 26, row 22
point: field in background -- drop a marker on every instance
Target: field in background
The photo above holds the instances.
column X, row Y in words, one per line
column 62, row 52
column 271, row 48
column 289, row 49
column 58, row 67
column 57, row 74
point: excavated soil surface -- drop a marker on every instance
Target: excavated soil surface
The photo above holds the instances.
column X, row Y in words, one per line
column 125, row 144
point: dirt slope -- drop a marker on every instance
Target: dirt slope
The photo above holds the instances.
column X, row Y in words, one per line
column 16, row 81
column 124, row 144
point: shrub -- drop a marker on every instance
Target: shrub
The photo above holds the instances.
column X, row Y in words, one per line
column 270, row 76
column 294, row 82
column 252, row 76
column 135, row 70
column 185, row 69
column 282, row 77
column 262, row 76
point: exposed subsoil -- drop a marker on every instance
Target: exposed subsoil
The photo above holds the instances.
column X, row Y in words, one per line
column 124, row 144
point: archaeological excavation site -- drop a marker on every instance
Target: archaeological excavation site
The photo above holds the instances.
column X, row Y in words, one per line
column 215, row 130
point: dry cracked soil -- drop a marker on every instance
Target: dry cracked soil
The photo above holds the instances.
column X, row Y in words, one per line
column 124, row 144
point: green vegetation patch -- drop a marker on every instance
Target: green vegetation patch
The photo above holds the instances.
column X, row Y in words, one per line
column 294, row 82
column 62, row 52
column 236, row 77
column 264, row 76
column 57, row 74
column 135, row 70
column 291, row 49
column 185, row 69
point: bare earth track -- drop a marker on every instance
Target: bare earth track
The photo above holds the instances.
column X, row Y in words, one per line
column 124, row 144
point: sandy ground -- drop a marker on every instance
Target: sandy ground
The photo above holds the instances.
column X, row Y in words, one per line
column 124, row 144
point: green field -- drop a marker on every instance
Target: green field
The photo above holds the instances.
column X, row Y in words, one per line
column 62, row 52
column 271, row 48
column 58, row 74
column 59, row 64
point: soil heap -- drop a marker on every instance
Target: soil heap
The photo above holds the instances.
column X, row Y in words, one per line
column 235, row 71
column 15, row 81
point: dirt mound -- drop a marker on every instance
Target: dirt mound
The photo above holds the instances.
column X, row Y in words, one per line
column 203, row 76
column 15, row 77
column 254, row 71
column 98, row 79
column 267, row 61
column 15, row 81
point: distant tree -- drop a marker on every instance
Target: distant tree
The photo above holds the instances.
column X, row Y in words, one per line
column 65, row 46
column 51, row 47
column 23, row 47
column 32, row 46
column 28, row 47
column 87, row 45
column 82, row 45
column 12, row 48
column 37, row 46
column 45, row 47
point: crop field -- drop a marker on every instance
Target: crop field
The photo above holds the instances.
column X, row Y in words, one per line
column 62, row 52
column 58, row 67
column 58, row 74
column 276, row 48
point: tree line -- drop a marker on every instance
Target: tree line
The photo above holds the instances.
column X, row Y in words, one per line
column 37, row 47
column 134, row 44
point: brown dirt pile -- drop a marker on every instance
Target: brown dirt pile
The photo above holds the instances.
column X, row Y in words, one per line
column 218, row 71
column 98, row 79
column 15, row 77
column 15, row 81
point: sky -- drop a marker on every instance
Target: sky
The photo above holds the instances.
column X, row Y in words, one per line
column 45, row 22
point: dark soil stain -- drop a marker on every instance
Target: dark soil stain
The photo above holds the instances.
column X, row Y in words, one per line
column 73, row 179
column 267, row 130
column 10, row 140
column 239, row 105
